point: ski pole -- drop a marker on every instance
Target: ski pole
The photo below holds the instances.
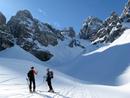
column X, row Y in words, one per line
column 27, row 83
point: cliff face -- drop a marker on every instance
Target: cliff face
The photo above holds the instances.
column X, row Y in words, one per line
column 125, row 16
column 98, row 31
column 31, row 34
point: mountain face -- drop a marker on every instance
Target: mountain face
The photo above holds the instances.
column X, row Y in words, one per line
column 6, row 39
column 34, row 36
column 111, row 30
column 126, row 13
column 98, row 31
column 90, row 27
column 31, row 34
column 2, row 19
column 26, row 29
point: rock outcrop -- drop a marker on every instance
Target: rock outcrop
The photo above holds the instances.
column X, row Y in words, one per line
column 125, row 16
column 31, row 34
column 90, row 27
column 106, row 31
column 2, row 19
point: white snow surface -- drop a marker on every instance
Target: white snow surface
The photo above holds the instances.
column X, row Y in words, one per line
column 14, row 85
column 102, row 66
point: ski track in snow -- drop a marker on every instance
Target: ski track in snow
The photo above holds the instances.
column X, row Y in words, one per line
column 17, row 90
column 14, row 85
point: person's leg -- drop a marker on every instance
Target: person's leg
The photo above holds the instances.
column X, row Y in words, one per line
column 30, row 85
column 34, row 85
column 48, row 83
column 50, row 86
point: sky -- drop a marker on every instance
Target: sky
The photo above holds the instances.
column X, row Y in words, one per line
column 63, row 13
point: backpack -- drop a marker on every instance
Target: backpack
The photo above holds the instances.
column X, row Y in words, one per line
column 30, row 73
column 51, row 74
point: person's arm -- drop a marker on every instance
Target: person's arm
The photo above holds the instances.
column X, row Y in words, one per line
column 35, row 72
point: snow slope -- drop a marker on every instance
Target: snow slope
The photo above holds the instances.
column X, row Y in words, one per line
column 104, row 65
column 63, row 54
column 18, row 53
column 14, row 85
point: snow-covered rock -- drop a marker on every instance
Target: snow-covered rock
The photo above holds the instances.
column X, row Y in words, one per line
column 27, row 31
column 125, row 16
column 90, row 27
column 6, row 40
column 98, row 31
column 68, row 32
column 111, row 30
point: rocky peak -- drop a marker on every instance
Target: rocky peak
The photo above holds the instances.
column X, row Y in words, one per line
column 112, row 29
column 113, row 19
column 90, row 27
column 92, row 19
column 125, row 16
column 68, row 32
column 98, row 31
column 2, row 19
column 31, row 34
column 24, row 14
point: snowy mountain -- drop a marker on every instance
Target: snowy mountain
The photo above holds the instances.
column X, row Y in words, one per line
column 90, row 27
column 94, row 63
column 98, row 31
column 36, row 37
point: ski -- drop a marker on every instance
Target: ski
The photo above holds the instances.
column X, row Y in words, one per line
column 47, row 92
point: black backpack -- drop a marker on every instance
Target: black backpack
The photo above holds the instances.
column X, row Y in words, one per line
column 30, row 73
column 51, row 74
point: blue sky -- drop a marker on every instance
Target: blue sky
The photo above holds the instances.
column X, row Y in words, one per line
column 63, row 13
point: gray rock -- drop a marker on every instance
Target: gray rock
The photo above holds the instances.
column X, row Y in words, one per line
column 75, row 43
column 24, row 13
column 90, row 28
column 68, row 32
column 46, row 34
column 42, row 55
column 2, row 19
column 98, row 31
column 23, row 26
column 6, row 40
column 31, row 34
column 125, row 16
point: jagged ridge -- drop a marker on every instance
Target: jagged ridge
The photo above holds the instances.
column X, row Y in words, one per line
column 33, row 35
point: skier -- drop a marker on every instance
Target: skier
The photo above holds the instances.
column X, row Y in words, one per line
column 31, row 76
column 49, row 76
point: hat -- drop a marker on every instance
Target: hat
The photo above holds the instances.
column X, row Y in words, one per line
column 32, row 67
